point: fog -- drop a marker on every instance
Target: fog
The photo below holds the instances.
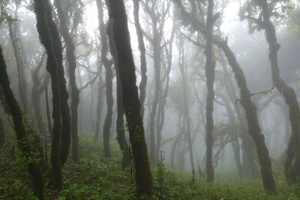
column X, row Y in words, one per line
column 181, row 81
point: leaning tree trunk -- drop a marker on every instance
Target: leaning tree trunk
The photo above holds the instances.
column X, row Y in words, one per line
column 250, row 108
column 70, row 52
column 21, row 131
column 61, row 117
column 210, row 79
column 131, row 104
column 292, row 163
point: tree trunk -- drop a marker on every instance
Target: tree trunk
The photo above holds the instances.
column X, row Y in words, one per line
column 186, row 108
column 139, row 33
column 210, row 79
column 21, row 131
column 131, row 104
column 13, row 31
column 108, row 79
column 70, row 51
column 61, row 125
column 292, row 164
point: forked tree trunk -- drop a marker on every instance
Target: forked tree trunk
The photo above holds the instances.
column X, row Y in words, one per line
column 131, row 104
column 61, row 116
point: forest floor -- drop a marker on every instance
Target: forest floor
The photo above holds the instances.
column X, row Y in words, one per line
column 101, row 179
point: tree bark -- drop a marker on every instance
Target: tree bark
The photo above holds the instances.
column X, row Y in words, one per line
column 61, row 116
column 131, row 104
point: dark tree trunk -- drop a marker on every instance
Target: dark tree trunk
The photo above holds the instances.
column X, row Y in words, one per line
column 120, row 127
column 292, row 164
column 210, row 79
column 131, row 104
column 61, row 125
column 21, row 131
column 70, row 51
column 253, row 125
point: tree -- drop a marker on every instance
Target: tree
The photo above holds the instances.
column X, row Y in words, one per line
column 131, row 104
column 108, row 79
column 263, row 21
column 245, row 95
column 70, row 51
column 139, row 33
column 22, row 132
column 15, row 34
column 61, row 116
column 210, row 79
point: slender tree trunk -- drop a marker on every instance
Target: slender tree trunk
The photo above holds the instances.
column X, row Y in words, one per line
column 131, row 104
column 108, row 79
column 21, row 131
column 142, row 49
column 186, row 108
column 13, row 31
column 210, row 79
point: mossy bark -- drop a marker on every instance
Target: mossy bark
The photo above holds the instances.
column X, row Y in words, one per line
column 292, row 164
column 49, row 37
column 131, row 104
column 21, row 131
column 253, row 124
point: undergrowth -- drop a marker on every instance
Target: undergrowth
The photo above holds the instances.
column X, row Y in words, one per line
column 98, row 178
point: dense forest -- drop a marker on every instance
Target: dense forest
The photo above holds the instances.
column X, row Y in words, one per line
column 149, row 99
